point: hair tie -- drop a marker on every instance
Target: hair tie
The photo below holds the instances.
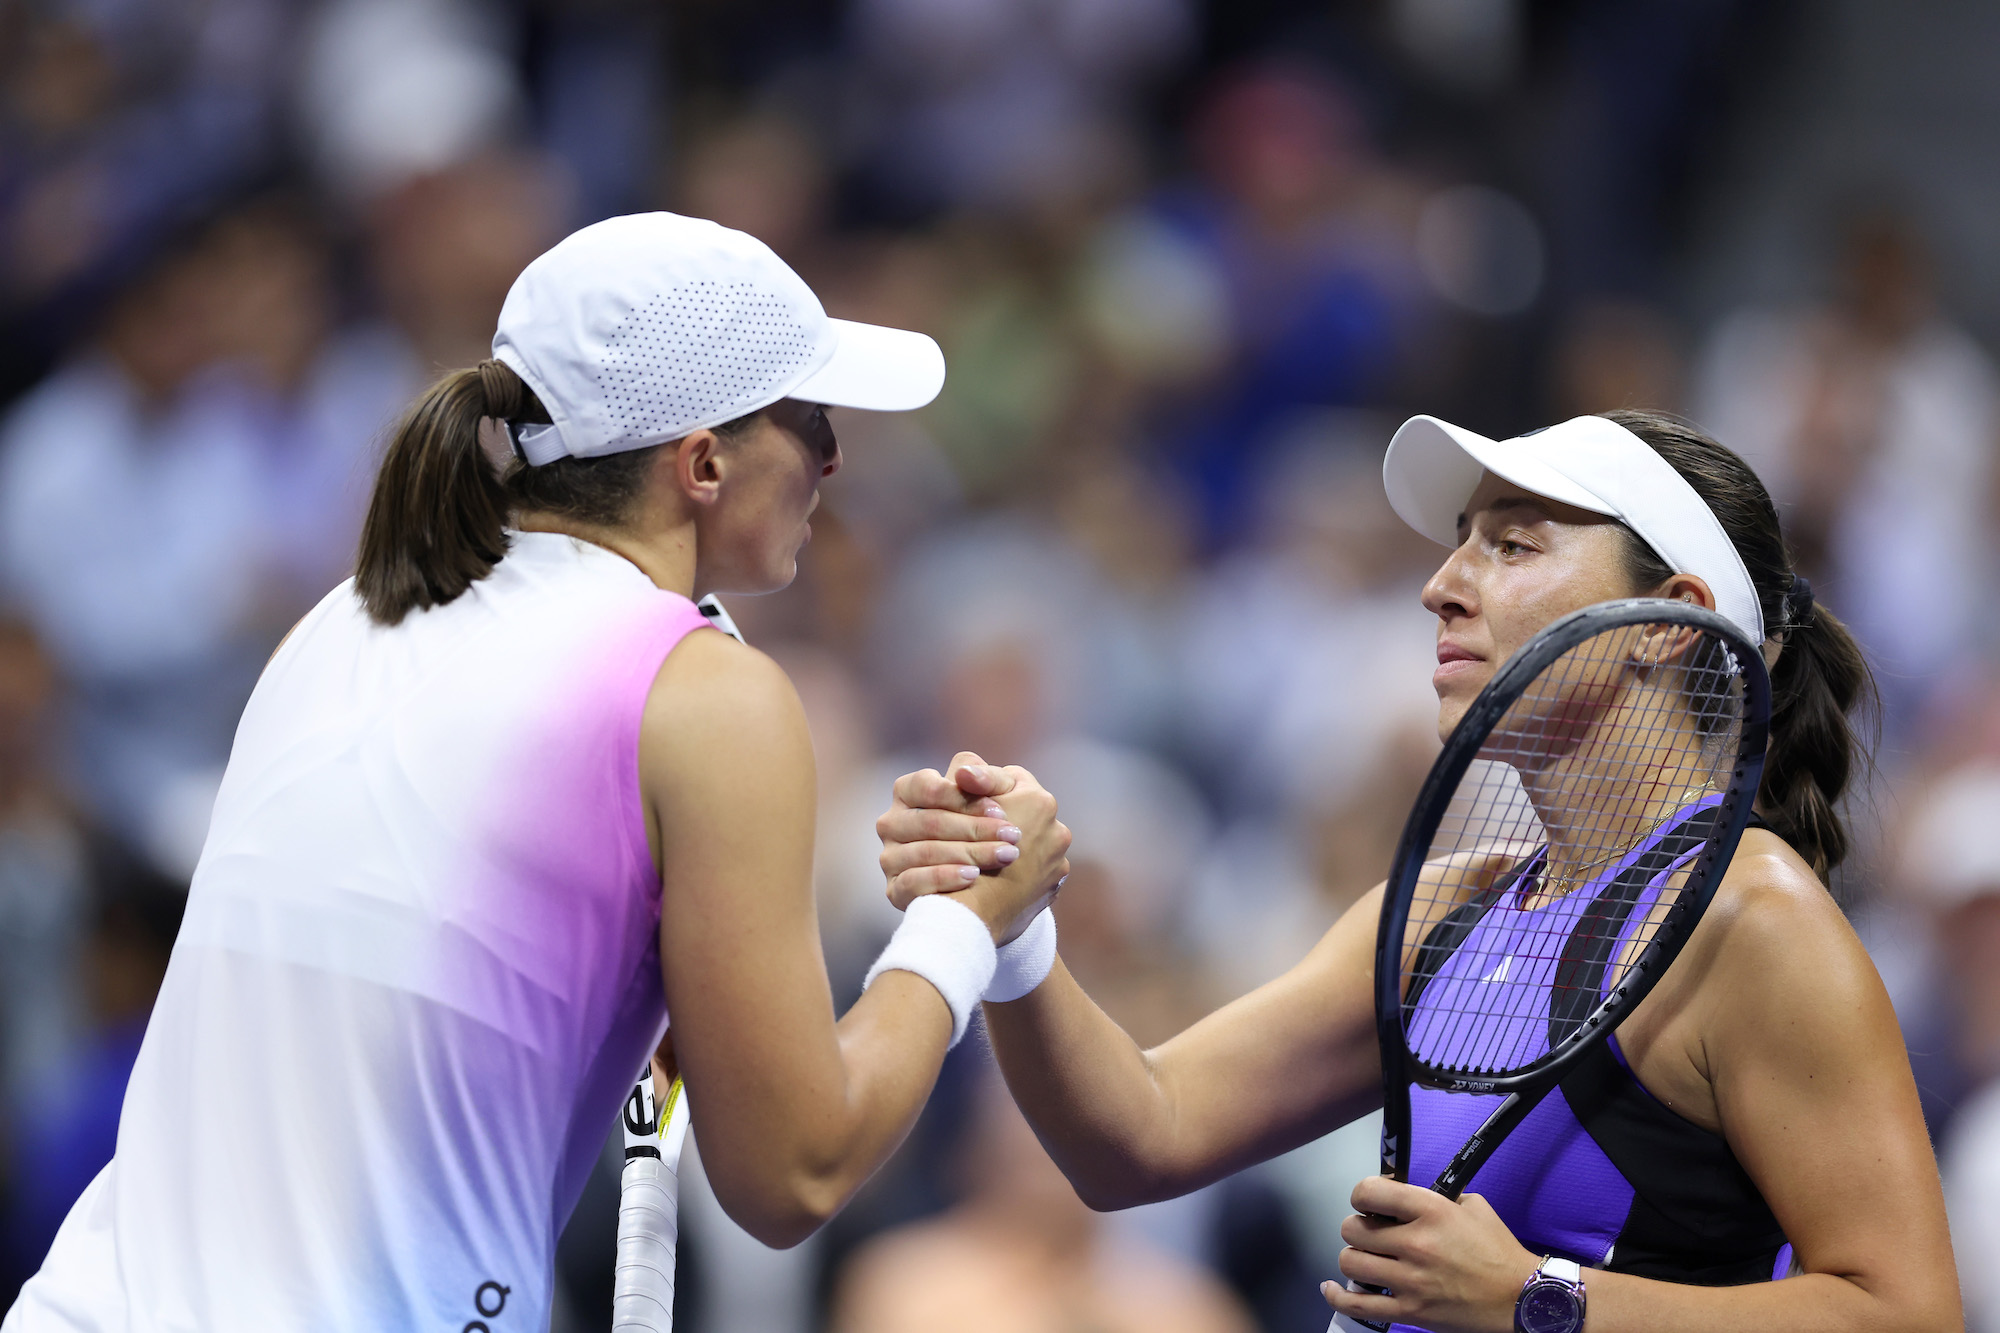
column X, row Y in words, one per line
column 501, row 389
column 497, row 443
column 1799, row 602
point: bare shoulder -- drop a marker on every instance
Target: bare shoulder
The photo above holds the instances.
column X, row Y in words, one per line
column 709, row 675
column 1774, row 941
column 718, row 704
column 1770, row 903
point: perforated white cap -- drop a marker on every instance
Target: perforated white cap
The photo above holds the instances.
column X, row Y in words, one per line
column 637, row 330
column 1433, row 467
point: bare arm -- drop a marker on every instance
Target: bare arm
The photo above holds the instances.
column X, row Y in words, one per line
column 1285, row 1064
column 1814, row 1093
column 795, row 1110
column 1275, row 1069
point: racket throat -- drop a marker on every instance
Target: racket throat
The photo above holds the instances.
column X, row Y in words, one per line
column 1465, row 1164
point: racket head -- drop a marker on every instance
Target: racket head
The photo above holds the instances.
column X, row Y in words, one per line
column 1640, row 726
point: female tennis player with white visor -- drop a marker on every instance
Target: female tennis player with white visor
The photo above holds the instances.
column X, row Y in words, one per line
column 499, row 804
column 1745, row 1150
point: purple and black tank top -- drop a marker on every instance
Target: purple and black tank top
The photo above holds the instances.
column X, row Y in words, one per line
column 1600, row 1172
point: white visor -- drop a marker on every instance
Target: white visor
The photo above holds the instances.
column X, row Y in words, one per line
column 1433, row 467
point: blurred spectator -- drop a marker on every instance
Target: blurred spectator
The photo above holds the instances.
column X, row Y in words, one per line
column 1007, row 106
column 1303, row 227
column 182, row 491
column 1952, row 868
column 44, row 894
column 129, row 536
column 1971, row 1165
column 1310, row 649
column 1022, row 1254
column 761, row 174
column 445, row 247
column 599, row 72
column 1307, row 696
column 390, row 90
column 312, row 397
column 1949, row 871
column 117, row 123
column 68, row 1123
column 1873, row 419
column 1053, row 632
column 1616, row 354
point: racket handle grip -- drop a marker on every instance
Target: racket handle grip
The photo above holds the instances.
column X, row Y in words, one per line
column 642, row 1299
column 648, row 1234
column 1347, row 1323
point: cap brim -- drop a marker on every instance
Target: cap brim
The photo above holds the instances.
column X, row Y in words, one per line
column 876, row 368
column 1433, row 467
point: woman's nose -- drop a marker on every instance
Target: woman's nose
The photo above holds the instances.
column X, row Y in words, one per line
column 1449, row 591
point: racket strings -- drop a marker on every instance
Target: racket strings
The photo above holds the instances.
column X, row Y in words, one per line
column 1566, row 846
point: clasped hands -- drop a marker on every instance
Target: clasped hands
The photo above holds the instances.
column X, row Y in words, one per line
column 990, row 834
column 985, row 833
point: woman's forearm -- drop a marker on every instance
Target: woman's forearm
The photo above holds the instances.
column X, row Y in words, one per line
column 1276, row 1068
column 1809, row 1303
column 812, row 1129
column 1089, row 1091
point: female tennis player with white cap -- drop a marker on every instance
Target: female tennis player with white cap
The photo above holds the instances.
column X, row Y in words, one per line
column 495, row 808
column 1753, row 1119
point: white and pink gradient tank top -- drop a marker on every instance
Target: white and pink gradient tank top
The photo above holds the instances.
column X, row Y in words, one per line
column 419, row 969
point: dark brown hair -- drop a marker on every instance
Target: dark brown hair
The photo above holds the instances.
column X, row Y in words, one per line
column 437, row 522
column 1820, row 677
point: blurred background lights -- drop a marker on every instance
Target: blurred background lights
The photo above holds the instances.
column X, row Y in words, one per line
column 1481, row 249
column 1471, row 45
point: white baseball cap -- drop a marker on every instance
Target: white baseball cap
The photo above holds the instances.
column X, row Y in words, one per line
column 1433, row 467
column 637, row 330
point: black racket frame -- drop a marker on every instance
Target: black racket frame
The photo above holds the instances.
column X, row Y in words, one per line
column 1526, row 1088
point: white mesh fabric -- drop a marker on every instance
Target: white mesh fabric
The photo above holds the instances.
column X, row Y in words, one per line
column 701, row 351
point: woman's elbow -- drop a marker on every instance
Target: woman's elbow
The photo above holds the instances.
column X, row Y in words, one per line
column 781, row 1213
column 1114, row 1191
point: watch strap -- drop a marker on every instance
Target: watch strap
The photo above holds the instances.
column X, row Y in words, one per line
column 1568, row 1270
column 1554, row 1275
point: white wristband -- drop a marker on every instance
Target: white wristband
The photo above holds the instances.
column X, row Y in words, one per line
column 946, row 944
column 1025, row 960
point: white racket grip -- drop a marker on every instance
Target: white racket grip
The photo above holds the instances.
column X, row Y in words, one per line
column 1348, row 1324
column 642, row 1299
column 1342, row 1324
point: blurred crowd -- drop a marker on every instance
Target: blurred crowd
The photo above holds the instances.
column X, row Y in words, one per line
column 1190, row 263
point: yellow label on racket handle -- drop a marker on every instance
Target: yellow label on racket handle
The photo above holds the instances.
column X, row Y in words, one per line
column 648, row 1208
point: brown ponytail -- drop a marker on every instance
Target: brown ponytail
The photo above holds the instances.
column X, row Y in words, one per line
column 437, row 523
column 1820, row 676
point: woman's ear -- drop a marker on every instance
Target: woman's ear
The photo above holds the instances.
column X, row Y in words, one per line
column 697, row 463
column 1689, row 588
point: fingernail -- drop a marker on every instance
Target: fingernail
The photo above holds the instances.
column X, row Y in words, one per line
column 975, row 770
column 992, row 810
column 1008, row 833
column 1006, row 854
column 968, row 873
